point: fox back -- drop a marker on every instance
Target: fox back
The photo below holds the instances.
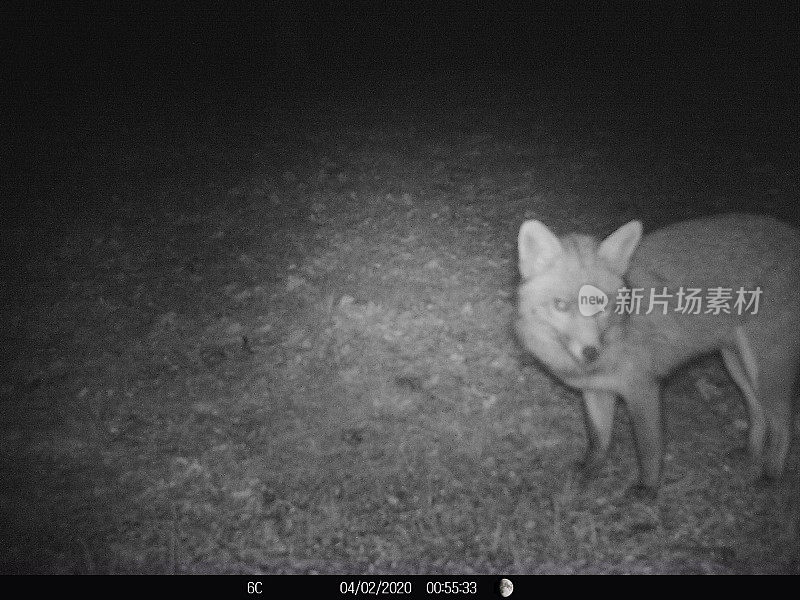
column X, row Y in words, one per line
column 749, row 268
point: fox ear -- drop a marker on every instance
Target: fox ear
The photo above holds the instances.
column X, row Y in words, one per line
column 538, row 246
column 618, row 248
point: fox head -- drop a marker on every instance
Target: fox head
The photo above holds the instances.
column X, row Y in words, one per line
column 562, row 319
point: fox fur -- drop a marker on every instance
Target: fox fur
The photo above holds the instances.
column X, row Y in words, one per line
column 619, row 353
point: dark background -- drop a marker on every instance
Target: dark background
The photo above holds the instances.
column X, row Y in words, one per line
column 101, row 62
column 258, row 272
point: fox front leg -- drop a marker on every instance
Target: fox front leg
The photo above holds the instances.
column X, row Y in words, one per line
column 644, row 408
column 598, row 409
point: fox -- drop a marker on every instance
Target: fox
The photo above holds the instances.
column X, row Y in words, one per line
column 576, row 318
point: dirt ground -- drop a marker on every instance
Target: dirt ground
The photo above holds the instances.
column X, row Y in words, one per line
column 278, row 340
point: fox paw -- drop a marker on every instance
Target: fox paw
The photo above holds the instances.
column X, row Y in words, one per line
column 585, row 471
column 765, row 481
column 738, row 453
column 590, row 463
column 642, row 492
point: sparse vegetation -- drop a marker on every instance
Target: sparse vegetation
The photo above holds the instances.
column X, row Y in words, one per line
column 282, row 344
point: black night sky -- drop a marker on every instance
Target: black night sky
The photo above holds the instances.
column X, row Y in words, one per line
column 259, row 275
column 110, row 60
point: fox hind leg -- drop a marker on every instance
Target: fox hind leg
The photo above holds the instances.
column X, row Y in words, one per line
column 744, row 373
column 778, row 395
column 778, row 359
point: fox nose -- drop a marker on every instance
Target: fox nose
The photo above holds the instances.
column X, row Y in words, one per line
column 590, row 353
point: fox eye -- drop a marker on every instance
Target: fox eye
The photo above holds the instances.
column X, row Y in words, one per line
column 560, row 304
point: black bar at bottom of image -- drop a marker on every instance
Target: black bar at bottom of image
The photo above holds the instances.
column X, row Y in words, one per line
column 289, row 586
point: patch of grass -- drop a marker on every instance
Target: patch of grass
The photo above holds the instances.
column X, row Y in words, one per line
column 306, row 365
